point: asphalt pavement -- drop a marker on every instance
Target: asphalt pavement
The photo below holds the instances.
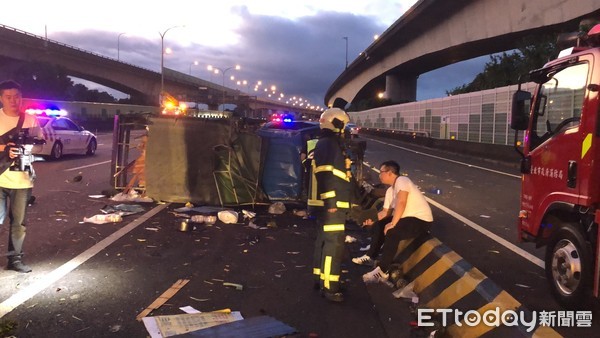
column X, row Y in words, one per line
column 103, row 295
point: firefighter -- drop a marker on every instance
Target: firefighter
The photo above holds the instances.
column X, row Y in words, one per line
column 330, row 201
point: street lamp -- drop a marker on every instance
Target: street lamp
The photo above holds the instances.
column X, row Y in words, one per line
column 223, row 72
column 118, row 46
column 195, row 63
column 346, row 38
column 162, row 59
column 244, row 83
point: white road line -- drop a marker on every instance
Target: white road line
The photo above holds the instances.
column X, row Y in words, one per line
column 446, row 159
column 484, row 231
column 25, row 294
column 490, row 234
column 87, row 166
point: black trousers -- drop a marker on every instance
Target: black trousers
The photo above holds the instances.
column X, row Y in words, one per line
column 329, row 249
column 406, row 228
column 377, row 237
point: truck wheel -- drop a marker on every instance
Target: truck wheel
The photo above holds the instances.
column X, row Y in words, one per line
column 569, row 266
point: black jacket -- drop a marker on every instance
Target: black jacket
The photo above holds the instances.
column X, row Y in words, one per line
column 333, row 185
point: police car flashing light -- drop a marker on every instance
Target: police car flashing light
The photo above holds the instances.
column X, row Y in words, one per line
column 46, row 112
column 285, row 118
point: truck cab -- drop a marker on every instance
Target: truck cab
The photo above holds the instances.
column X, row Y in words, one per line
column 560, row 191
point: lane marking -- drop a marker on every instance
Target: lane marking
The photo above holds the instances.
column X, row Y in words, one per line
column 489, row 234
column 87, row 166
column 482, row 230
column 27, row 293
column 446, row 159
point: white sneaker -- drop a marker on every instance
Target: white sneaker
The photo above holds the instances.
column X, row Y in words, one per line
column 376, row 276
column 363, row 260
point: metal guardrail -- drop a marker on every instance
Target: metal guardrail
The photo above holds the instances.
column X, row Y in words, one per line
column 414, row 133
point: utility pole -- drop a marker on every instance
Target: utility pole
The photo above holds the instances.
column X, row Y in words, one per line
column 346, row 38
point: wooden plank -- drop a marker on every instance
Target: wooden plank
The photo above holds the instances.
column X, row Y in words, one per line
column 163, row 298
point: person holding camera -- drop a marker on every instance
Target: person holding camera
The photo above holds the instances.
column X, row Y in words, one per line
column 15, row 185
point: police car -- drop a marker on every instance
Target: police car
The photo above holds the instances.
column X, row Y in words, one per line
column 352, row 129
column 62, row 135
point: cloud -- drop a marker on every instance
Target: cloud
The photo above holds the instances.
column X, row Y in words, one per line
column 301, row 56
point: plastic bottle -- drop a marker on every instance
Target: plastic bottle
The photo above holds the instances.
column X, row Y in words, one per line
column 198, row 219
column 114, row 218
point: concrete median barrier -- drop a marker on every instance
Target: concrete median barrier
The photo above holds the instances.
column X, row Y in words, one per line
column 447, row 284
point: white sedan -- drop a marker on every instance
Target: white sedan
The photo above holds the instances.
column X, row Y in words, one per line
column 352, row 129
column 63, row 137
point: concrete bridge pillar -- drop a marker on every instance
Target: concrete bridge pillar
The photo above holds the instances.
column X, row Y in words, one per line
column 400, row 88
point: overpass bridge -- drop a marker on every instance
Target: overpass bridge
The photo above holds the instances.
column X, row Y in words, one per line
column 435, row 33
column 143, row 85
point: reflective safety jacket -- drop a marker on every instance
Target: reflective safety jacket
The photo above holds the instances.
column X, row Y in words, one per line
column 329, row 169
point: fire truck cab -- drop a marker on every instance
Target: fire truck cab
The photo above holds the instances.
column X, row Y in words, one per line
column 560, row 166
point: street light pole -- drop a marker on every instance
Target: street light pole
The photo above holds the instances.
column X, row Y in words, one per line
column 118, row 46
column 346, row 38
column 223, row 71
column 162, row 60
column 195, row 63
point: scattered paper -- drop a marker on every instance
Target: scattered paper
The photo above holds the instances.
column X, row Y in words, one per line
column 167, row 326
column 189, row 309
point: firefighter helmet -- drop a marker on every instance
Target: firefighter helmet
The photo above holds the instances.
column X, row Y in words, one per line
column 334, row 119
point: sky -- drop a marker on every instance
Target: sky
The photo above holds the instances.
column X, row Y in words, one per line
column 296, row 45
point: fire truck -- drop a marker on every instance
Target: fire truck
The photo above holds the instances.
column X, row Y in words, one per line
column 560, row 166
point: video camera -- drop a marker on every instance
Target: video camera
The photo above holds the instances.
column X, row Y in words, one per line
column 24, row 143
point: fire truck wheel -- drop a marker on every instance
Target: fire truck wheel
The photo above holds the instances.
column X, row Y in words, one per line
column 91, row 149
column 57, row 151
column 569, row 266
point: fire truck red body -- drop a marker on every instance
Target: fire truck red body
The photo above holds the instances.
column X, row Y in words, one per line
column 560, row 196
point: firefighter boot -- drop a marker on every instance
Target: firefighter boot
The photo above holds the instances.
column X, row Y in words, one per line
column 335, row 297
column 15, row 263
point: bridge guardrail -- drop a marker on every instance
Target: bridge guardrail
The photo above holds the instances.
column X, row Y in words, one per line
column 73, row 47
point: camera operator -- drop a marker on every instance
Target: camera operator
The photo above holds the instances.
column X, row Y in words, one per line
column 15, row 185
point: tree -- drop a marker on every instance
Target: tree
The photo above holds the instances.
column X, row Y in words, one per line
column 506, row 68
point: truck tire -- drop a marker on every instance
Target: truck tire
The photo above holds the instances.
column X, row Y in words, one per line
column 569, row 266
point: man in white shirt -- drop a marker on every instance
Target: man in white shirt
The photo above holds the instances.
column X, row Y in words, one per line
column 15, row 186
column 411, row 218
column 383, row 218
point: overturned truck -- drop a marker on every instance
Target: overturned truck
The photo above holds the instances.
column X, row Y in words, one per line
column 216, row 161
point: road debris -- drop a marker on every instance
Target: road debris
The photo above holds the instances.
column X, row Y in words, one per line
column 350, row 239
column 163, row 298
column 103, row 219
column 523, row 286
column 277, row 208
column 238, row 287
column 300, row 213
column 228, row 216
